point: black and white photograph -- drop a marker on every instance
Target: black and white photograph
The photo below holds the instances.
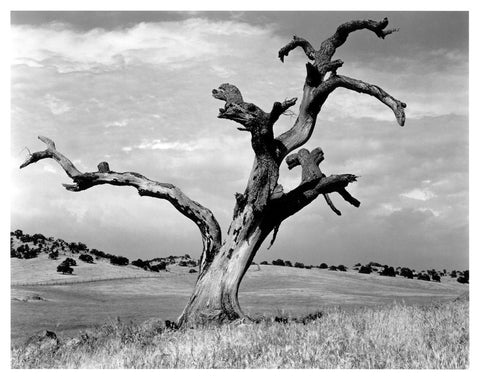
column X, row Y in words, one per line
column 239, row 189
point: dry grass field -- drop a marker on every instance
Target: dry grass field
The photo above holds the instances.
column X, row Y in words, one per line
column 392, row 336
column 108, row 316
column 101, row 292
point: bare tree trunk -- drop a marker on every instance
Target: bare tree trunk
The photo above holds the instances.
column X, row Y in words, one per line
column 264, row 205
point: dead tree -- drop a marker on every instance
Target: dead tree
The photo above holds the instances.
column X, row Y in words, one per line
column 264, row 205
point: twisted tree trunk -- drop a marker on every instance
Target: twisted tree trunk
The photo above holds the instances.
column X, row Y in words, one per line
column 263, row 205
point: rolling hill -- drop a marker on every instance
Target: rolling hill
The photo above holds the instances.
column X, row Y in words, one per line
column 98, row 292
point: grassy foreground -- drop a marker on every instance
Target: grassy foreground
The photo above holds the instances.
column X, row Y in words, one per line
column 395, row 336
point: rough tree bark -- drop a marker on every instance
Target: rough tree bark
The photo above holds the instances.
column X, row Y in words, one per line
column 264, row 205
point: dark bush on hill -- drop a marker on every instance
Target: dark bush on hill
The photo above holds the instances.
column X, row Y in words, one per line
column 192, row 271
column 87, row 258
column 139, row 263
column 423, row 276
column 308, row 267
column 436, row 277
column 323, row 266
column 374, row 264
column 357, row 265
column 264, row 263
column 299, row 265
column 70, row 262
column 30, row 253
column 332, row 267
column 278, row 262
column 158, row 267
column 14, row 253
column 464, row 277
column 288, row 263
column 64, row 268
column 119, row 260
column 388, row 271
column 453, row 274
column 101, row 254
column 462, row 280
column 342, row 268
column 365, row 269
column 182, row 263
column 53, row 255
column 406, row 272
column 17, row 233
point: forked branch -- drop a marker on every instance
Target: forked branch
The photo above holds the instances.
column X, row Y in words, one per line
column 314, row 183
column 200, row 215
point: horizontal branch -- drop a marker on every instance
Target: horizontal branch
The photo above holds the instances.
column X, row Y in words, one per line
column 314, row 183
column 200, row 215
column 335, row 81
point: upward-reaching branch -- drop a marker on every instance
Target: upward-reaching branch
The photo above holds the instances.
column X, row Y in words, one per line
column 330, row 45
column 200, row 215
column 318, row 87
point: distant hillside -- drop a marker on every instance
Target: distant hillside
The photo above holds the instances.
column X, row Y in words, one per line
column 36, row 258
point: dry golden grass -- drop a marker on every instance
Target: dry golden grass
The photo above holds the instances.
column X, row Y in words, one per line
column 394, row 336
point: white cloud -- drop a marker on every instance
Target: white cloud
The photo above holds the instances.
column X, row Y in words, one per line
column 169, row 43
column 158, row 144
column 56, row 105
column 419, row 194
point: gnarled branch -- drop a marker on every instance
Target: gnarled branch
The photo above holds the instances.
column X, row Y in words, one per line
column 329, row 46
column 294, row 43
column 335, row 81
column 313, row 183
column 200, row 215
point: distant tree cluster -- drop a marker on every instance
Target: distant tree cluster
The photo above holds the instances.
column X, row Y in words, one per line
column 146, row 265
column 24, row 252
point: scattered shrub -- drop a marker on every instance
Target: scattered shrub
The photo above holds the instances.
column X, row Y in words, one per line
column 192, row 271
column 182, row 264
column 406, row 272
column 388, row 271
column 308, row 267
column 333, row 268
column 299, row 265
column 139, row 263
column 278, row 262
column 423, row 276
column 264, row 263
column 53, row 255
column 342, row 268
column 365, row 269
column 323, row 266
column 119, row 260
column 64, row 268
column 157, row 268
column 462, row 280
column 288, row 263
column 453, row 274
column 87, row 258
column 436, row 277
column 70, row 262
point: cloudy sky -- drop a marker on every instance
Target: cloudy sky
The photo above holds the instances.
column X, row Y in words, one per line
column 134, row 89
